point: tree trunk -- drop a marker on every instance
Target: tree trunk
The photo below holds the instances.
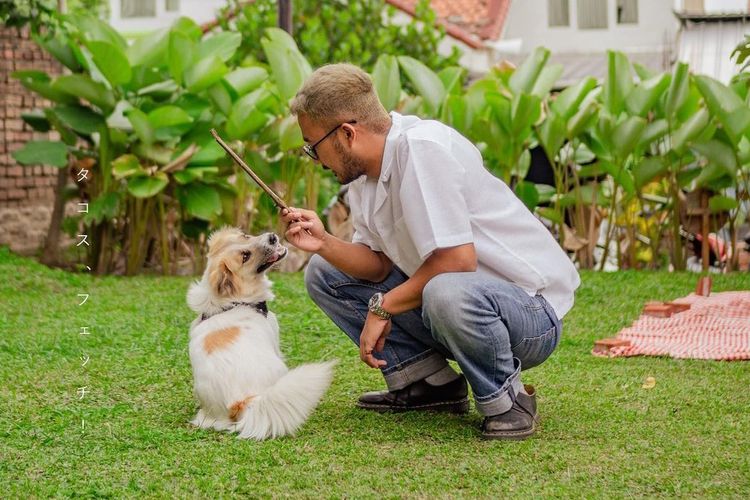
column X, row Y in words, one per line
column 51, row 252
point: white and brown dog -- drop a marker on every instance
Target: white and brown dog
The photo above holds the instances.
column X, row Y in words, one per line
column 241, row 381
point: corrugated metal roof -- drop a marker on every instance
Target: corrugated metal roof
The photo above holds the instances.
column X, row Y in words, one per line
column 707, row 47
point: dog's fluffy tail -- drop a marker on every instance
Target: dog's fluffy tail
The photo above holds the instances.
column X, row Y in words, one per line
column 285, row 406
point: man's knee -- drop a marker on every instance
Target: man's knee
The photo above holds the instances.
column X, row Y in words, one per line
column 316, row 275
column 442, row 299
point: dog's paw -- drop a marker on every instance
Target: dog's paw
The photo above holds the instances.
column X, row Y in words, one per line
column 201, row 420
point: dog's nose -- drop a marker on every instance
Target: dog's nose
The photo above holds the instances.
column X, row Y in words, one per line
column 273, row 239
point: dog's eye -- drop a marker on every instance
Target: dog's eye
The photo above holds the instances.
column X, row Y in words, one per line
column 246, row 255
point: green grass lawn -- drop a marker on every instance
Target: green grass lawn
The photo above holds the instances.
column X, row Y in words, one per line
column 602, row 434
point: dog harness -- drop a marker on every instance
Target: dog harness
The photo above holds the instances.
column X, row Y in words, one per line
column 258, row 306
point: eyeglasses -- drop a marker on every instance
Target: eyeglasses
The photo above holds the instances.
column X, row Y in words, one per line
column 310, row 149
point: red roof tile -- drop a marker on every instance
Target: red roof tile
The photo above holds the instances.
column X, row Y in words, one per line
column 470, row 21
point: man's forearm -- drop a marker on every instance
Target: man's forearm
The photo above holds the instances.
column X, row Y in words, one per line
column 355, row 259
column 408, row 295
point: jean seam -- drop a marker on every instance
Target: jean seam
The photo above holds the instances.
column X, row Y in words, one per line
column 376, row 286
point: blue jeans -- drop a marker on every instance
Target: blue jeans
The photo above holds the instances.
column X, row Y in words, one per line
column 491, row 328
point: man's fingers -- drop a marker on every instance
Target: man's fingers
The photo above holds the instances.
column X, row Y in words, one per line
column 365, row 354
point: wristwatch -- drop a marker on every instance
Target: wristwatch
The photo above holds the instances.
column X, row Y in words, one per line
column 376, row 306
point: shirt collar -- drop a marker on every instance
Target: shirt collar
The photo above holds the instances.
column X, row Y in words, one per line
column 389, row 152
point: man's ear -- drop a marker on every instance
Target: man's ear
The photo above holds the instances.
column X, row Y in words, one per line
column 223, row 280
column 349, row 131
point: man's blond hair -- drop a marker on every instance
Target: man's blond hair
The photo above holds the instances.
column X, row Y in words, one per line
column 337, row 93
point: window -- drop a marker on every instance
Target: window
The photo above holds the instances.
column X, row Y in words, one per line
column 627, row 11
column 592, row 14
column 138, row 8
column 172, row 5
column 557, row 13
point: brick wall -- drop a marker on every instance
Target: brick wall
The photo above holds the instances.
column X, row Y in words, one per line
column 26, row 193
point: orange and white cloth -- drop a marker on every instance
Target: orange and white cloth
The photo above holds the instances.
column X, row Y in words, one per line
column 715, row 327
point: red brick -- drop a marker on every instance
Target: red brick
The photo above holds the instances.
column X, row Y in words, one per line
column 16, row 194
column 15, row 171
column 5, row 183
column 40, row 181
column 3, row 195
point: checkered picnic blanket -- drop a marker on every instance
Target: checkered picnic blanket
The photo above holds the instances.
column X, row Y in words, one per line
column 715, row 327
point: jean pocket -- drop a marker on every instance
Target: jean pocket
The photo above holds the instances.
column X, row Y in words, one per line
column 532, row 351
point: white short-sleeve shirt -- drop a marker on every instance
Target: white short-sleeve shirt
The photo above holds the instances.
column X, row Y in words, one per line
column 434, row 192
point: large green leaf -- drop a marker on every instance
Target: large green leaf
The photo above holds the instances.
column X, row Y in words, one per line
column 678, row 89
column 619, row 81
column 190, row 174
column 568, row 102
column 59, row 47
column 248, row 114
column 84, row 87
column 37, row 120
column 187, row 27
column 689, row 130
column 94, row 29
column 143, row 186
column 452, row 78
column 290, row 135
column 725, row 104
column 82, row 119
column 111, row 61
column 150, row 50
column 205, row 73
column 221, row 97
column 169, row 122
column 720, row 203
column 222, row 45
column 53, row 153
column 200, row 200
column 581, row 119
column 244, row 80
column 546, row 80
column 525, row 76
column 456, row 113
column 126, row 166
column 552, row 135
column 387, row 81
column 525, row 111
column 719, row 153
column 527, row 193
column 653, row 132
column 626, row 135
column 646, row 94
column 425, row 81
column 621, row 175
column 103, row 207
column 288, row 66
column 648, row 170
column 141, row 125
column 39, row 82
column 181, row 52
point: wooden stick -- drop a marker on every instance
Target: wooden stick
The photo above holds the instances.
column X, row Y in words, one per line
column 275, row 197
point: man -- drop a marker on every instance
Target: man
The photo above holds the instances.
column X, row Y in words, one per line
column 445, row 263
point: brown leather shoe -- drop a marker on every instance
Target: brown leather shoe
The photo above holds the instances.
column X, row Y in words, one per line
column 420, row 396
column 517, row 423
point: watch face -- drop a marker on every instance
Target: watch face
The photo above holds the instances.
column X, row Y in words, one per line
column 375, row 299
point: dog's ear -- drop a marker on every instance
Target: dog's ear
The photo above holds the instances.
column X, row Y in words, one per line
column 223, row 280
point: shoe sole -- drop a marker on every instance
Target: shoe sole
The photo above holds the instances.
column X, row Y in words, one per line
column 511, row 435
column 458, row 407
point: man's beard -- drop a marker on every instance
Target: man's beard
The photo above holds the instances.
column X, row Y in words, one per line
column 353, row 167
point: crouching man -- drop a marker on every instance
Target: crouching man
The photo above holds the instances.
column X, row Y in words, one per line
column 446, row 262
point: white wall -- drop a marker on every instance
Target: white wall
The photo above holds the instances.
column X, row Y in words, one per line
column 528, row 21
column 200, row 11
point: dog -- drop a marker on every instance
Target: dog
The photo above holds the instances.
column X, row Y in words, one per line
column 240, row 379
